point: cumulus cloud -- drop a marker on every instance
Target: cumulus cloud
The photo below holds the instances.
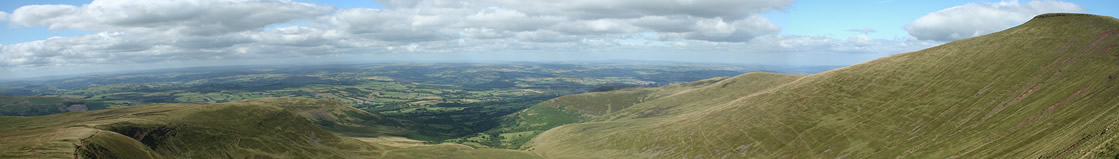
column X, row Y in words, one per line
column 3, row 16
column 974, row 19
column 134, row 31
column 736, row 31
column 508, row 19
column 393, row 25
column 545, row 36
column 621, row 9
column 193, row 17
column 860, row 40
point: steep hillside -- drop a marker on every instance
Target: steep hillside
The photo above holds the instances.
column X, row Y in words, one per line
column 704, row 96
column 29, row 106
column 1042, row 89
column 250, row 129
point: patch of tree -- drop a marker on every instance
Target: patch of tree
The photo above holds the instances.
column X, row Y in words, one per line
column 32, row 106
column 475, row 118
column 355, row 91
column 263, row 84
column 143, row 98
column 493, row 85
column 612, row 72
column 17, row 91
column 89, row 104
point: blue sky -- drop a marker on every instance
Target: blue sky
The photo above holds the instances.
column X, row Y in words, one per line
column 14, row 34
column 832, row 18
column 110, row 35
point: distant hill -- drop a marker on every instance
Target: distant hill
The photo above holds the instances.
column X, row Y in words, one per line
column 259, row 128
column 1044, row 89
column 30, row 106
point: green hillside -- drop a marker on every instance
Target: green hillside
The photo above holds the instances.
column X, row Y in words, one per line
column 262, row 128
column 1042, row 89
column 29, row 106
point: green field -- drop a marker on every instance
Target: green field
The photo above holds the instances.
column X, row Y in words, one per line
column 30, row 106
column 443, row 100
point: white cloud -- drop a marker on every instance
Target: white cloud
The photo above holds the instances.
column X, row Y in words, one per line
column 405, row 25
column 860, row 40
column 3, row 16
column 192, row 17
column 673, row 24
column 624, row 9
column 484, row 33
column 138, row 32
column 595, row 27
column 736, row 31
column 545, row 36
column 422, row 3
column 293, row 36
column 507, row 19
column 974, row 19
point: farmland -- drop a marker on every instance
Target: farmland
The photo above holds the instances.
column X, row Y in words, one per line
column 444, row 100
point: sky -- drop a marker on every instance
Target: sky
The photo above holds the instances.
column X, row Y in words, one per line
column 57, row 37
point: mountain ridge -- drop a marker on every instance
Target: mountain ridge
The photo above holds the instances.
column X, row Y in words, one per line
column 969, row 98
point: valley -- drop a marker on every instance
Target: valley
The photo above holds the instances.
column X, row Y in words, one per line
column 438, row 101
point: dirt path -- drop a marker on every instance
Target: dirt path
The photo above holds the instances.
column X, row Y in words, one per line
column 1073, row 146
column 78, row 146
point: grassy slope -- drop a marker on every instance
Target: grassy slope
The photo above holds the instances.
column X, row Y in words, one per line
column 596, row 104
column 250, row 129
column 1042, row 89
column 703, row 95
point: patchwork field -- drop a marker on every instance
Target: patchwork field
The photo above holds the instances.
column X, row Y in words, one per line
column 443, row 101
